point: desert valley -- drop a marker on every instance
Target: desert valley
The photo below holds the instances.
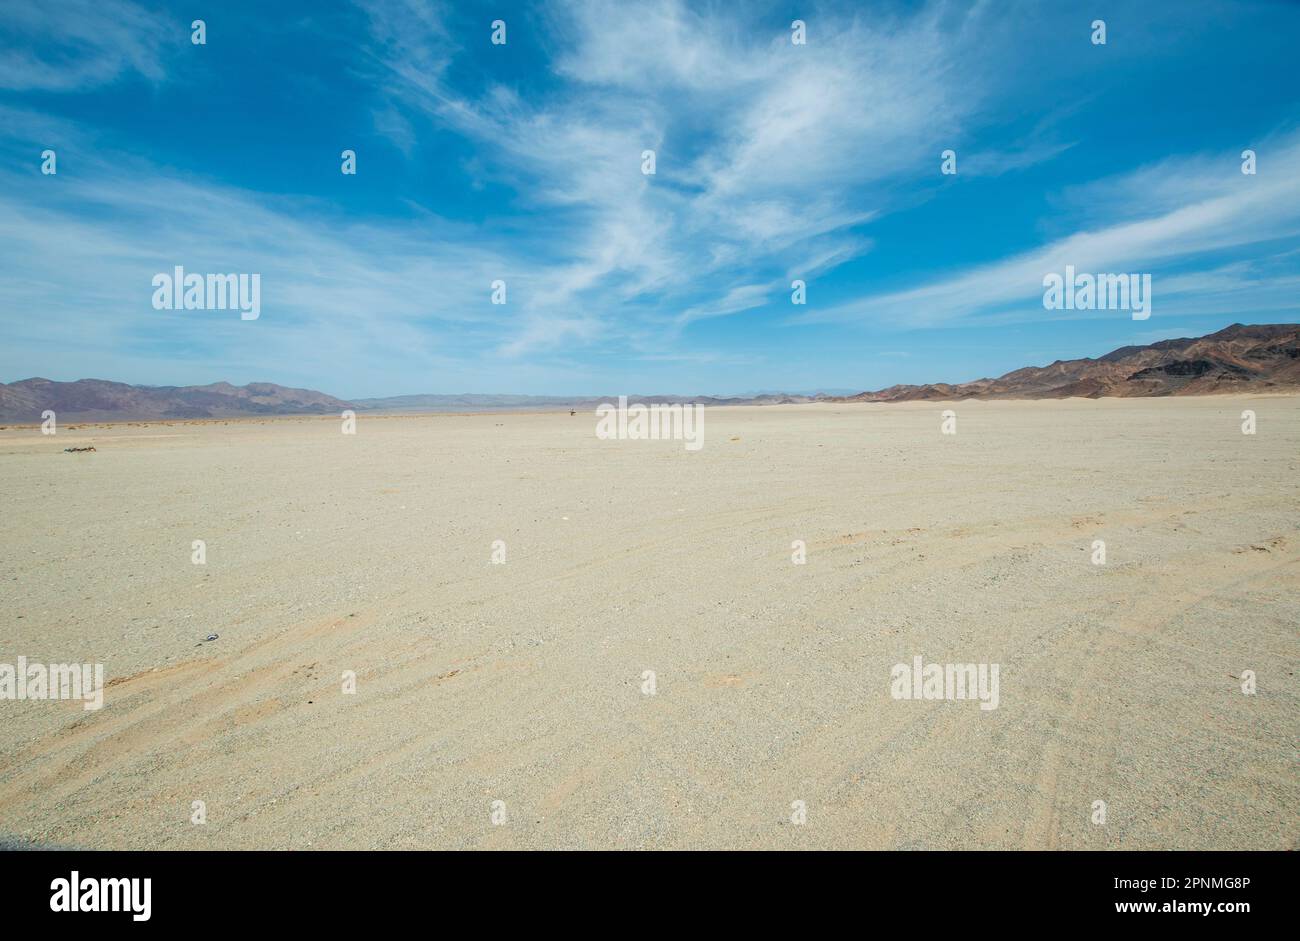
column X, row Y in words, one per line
column 561, row 641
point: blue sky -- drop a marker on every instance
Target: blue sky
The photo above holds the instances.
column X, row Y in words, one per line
column 522, row 162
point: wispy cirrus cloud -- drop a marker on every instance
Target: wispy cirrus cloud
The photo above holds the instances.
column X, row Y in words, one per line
column 347, row 296
column 82, row 43
column 1171, row 215
column 770, row 156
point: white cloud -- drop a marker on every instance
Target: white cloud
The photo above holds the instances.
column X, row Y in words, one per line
column 1219, row 209
column 340, row 297
column 84, row 43
column 765, row 150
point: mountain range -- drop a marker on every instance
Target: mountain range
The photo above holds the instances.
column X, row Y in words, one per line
column 1236, row 359
column 100, row 400
column 1261, row 358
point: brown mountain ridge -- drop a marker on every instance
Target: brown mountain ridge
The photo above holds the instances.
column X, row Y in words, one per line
column 1238, row 358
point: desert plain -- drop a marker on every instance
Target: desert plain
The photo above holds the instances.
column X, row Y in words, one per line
column 525, row 682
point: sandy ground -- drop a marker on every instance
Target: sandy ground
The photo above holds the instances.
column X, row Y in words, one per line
column 523, row 682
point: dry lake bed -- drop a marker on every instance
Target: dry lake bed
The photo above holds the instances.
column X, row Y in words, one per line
column 651, row 666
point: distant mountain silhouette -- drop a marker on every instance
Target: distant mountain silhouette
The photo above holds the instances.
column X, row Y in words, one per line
column 100, row 400
column 478, row 402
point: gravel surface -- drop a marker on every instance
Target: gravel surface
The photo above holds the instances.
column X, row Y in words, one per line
column 370, row 554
